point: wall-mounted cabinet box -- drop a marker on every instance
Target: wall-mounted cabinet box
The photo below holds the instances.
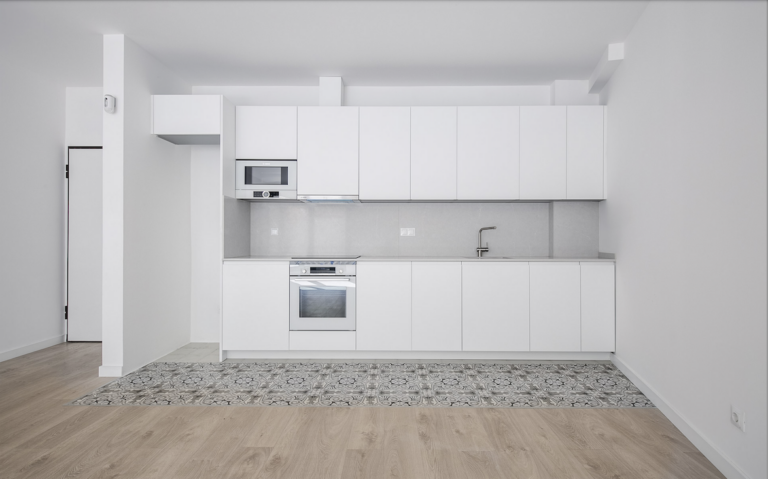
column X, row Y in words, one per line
column 385, row 153
column 255, row 306
column 495, row 310
column 436, row 306
column 383, row 306
column 598, row 307
column 327, row 151
column 433, row 153
column 266, row 133
column 488, row 153
column 543, row 153
column 585, row 152
column 187, row 119
column 555, row 307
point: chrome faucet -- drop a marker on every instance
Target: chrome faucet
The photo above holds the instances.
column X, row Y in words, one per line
column 480, row 248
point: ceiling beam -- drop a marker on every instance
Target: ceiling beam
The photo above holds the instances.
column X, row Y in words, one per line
column 608, row 63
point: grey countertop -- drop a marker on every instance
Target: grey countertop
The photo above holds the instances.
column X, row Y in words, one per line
column 433, row 258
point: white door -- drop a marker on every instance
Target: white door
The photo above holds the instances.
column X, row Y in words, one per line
column 436, row 306
column 385, row 153
column 542, row 152
column 495, row 306
column 265, row 132
column 328, row 151
column 488, row 153
column 598, row 307
column 255, row 305
column 84, row 245
column 585, row 152
column 433, row 153
column 384, row 306
column 555, row 307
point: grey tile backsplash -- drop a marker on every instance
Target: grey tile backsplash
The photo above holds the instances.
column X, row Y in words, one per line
column 442, row 229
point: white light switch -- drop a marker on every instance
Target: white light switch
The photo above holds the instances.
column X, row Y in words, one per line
column 273, row 231
column 407, row 231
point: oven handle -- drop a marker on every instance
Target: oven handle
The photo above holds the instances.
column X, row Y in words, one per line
column 321, row 280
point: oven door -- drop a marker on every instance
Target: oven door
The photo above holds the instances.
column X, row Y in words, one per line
column 265, row 175
column 322, row 303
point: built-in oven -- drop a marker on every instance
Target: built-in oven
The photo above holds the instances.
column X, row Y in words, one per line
column 270, row 180
column 322, row 295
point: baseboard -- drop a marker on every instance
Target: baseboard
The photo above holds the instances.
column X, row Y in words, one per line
column 31, row 348
column 406, row 355
column 110, row 371
column 721, row 461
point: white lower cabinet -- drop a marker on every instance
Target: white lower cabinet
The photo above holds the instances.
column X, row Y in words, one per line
column 555, row 307
column 322, row 340
column 255, row 306
column 495, row 306
column 598, row 307
column 383, row 306
column 436, row 306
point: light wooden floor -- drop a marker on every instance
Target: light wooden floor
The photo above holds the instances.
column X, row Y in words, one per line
column 42, row 438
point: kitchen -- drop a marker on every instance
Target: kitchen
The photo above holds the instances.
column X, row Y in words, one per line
column 459, row 155
column 641, row 247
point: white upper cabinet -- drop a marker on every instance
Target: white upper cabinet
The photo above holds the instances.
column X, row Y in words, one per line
column 436, row 306
column 265, row 133
column 598, row 307
column 385, row 153
column 542, row 152
column 585, row 152
column 186, row 114
column 433, row 153
column 384, row 306
column 555, row 307
column 495, row 306
column 255, row 305
column 488, row 153
column 328, row 151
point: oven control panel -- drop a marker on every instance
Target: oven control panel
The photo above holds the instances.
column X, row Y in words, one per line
column 336, row 268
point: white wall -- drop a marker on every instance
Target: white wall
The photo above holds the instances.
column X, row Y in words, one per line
column 686, row 218
column 32, row 232
column 385, row 96
column 206, row 243
column 83, row 116
column 152, row 309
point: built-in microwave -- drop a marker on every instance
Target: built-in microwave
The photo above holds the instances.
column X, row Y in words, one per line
column 265, row 180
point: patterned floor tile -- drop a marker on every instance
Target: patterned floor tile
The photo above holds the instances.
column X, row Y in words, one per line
column 352, row 384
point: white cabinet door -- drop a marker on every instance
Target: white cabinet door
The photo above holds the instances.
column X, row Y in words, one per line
column 385, row 153
column 265, row 133
column 585, row 152
column 255, row 306
column 598, row 307
column 542, row 152
column 186, row 114
column 433, row 153
column 328, row 151
column 436, row 306
column 555, row 307
column 383, row 306
column 488, row 153
column 495, row 306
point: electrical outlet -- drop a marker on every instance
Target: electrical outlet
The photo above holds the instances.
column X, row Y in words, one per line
column 273, row 231
column 738, row 418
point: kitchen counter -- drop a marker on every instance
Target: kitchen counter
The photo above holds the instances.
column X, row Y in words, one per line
column 436, row 259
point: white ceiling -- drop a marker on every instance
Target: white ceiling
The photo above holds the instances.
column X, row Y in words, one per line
column 294, row 42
